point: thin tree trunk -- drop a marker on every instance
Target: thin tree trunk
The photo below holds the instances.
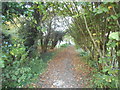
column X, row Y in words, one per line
column 90, row 34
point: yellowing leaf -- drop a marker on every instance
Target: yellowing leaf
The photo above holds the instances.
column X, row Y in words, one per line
column 94, row 34
column 110, row 7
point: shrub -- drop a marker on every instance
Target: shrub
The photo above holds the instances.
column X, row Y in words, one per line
column 18, row 68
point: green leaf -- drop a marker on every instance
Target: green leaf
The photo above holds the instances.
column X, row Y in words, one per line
column 99, row 11
column 118, row 53
column 14, row 77
column 43, row 29
column 77, row 15
column 1, row 63
column 114, row 17
column 105, row 70
column 100, row 61
column 114, row 36
column 105, row 9
column 44, row 17
column 38, row 28
column 113, row 44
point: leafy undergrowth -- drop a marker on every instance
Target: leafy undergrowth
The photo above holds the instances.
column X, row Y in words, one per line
column 47, row 56
column 106, row 78
column 23, row 70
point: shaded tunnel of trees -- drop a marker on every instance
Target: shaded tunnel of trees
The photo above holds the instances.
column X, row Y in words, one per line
column 94, row 27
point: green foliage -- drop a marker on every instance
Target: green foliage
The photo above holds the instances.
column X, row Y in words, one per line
column 18, row 68
column 20, row 59
column 1, row 63
column 115, row 36
column 47, row 56
column 105, row 81
column 84, row 54
column 11, row 10
column 96, row 30
column 86, row 57
column 100, row 9
column 64, row 45
column 22, row 75
column 108, row 77
column 37, row 65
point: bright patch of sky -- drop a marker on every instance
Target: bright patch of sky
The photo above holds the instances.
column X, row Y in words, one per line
column 61, row 23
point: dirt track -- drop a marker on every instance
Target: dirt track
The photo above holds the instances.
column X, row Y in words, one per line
column 66, row 70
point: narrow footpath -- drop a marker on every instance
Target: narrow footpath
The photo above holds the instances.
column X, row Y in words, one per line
column 66, row 70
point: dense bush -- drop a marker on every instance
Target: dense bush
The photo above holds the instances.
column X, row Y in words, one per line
column 18, row 68
column 96, row 29
column 25, row 24
column 108, row 76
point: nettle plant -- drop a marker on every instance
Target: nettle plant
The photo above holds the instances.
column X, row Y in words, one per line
column 108, row 76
